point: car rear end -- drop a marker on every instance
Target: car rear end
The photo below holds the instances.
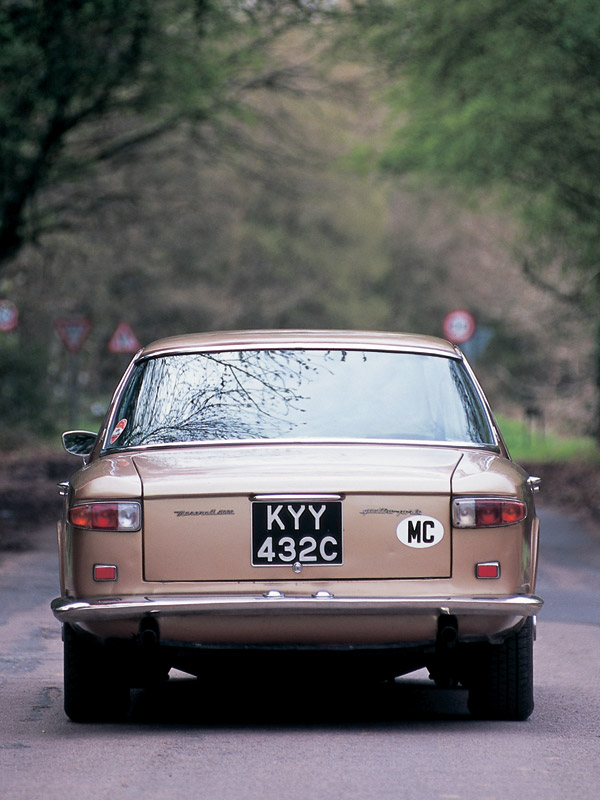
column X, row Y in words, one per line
column 388, row 553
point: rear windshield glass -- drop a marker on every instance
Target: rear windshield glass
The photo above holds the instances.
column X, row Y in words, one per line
column 299, row 394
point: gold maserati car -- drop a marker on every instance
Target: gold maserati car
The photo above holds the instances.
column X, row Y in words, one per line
column 294, row 502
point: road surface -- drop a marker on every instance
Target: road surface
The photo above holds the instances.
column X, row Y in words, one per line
column 411, row 740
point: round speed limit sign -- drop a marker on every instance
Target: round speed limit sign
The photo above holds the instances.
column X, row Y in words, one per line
column 9, row 316
column 459, row 326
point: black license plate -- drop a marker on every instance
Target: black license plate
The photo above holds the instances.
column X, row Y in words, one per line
column 306, row 532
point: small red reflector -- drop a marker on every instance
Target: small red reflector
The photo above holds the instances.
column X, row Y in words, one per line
column 105, row 572
column 489, row 569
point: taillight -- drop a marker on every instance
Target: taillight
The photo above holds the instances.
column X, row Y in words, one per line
column 118, row 516
column 486, row 512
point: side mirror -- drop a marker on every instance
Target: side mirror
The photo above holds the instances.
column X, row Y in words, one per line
column 79, row 443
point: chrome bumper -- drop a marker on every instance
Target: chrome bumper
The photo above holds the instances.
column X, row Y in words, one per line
column 278, row 604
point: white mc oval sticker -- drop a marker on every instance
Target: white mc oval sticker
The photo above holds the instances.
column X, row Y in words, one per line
column 420, row 531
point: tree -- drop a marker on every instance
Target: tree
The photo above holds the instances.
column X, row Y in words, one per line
column 85, row 81
column 503, row 95
column 240, row 217
column 502, row 92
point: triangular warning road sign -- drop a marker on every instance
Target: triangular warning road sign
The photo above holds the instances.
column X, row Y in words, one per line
column 73, row 331
column 123, row 340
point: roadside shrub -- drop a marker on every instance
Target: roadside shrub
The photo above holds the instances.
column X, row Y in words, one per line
column 24, row 406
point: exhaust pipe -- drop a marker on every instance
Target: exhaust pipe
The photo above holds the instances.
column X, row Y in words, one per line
column 149, row 635
column 447, row 632
column 448, row 636
column 443, row 666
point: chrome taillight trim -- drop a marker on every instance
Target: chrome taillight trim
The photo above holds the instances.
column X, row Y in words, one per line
column 464, row 511
column 135, row 511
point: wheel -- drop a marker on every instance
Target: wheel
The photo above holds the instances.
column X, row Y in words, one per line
column 93, row 689
column 501, row 678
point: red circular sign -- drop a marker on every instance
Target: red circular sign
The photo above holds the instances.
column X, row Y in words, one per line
column 9, row 316
column 459, row 326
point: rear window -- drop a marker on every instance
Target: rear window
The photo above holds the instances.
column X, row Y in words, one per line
column 299, row 394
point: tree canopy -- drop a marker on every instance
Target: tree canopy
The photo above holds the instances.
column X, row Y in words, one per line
column 505, row 94
column 83, row 81
column 182, row 165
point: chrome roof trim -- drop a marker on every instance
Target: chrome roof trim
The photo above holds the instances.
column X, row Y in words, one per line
column 299, row 339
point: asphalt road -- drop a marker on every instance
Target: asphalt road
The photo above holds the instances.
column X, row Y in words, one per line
column 411, row 740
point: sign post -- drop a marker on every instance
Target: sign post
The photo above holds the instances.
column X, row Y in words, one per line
column 73, row 331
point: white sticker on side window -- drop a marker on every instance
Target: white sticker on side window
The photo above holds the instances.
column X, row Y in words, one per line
column 118, row 430
column 420, row 531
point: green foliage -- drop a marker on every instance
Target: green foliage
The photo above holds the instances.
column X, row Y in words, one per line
column 245, row 223
column 529, row 443
column 23, row 390
column 501, row 99
column 209, row 186
column 61, row 64
column 86, row 81
column 502, row 93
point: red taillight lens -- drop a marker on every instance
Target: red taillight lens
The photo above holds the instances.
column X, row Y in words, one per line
column 486, row 512
column 513, row 512
column 81, row 516
column 106, row 516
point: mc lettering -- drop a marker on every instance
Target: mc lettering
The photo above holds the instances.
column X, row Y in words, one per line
column 428, row 538
column 420, row 531
column 414, row 531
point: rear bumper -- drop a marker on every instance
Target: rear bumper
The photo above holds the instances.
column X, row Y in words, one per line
column 136, row 607
column 276, row 618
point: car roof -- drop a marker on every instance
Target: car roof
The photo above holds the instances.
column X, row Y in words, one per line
column 297, row 339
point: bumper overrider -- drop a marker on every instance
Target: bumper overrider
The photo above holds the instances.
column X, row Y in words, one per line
column 273, row 616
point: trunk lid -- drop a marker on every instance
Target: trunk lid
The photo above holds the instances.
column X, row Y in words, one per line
column 391, row 503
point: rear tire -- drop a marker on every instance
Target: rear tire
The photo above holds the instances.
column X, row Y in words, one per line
column 94, row 691
column 501, row 678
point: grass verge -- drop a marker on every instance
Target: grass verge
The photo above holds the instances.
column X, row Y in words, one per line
column 532, row 444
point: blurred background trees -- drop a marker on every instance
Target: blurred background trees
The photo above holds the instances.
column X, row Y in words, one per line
column 85, row 82
column 499, row 102
column 206, row 164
